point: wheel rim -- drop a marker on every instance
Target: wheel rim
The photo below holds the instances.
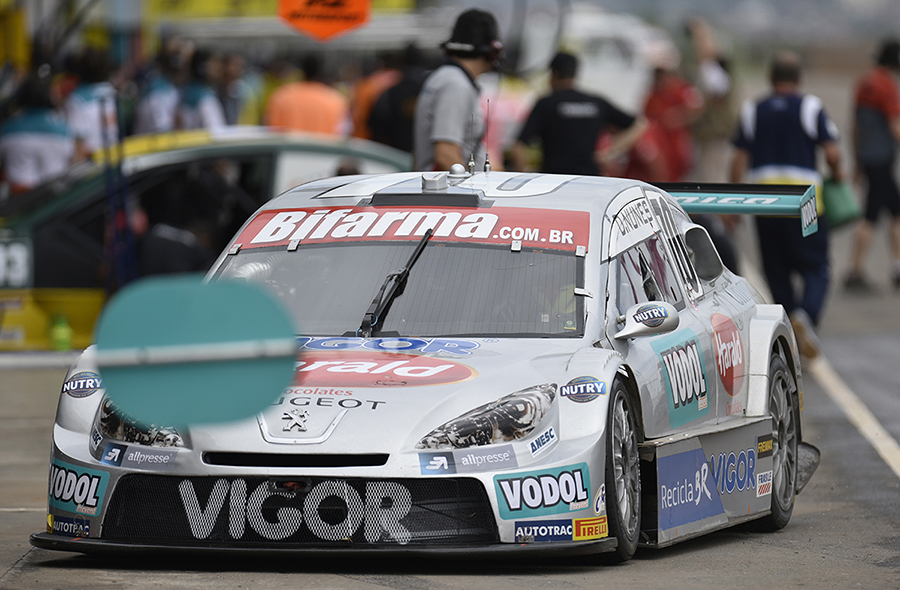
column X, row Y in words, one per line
column 626, row 467
column 784, row 440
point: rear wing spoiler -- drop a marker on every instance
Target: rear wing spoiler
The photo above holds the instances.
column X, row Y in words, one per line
column 778, row 200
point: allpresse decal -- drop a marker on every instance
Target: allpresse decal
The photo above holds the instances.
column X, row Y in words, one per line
column 548, row 228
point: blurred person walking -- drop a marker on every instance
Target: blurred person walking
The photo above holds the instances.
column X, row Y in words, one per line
column 369, row 89
column 393, row 115
column 673, row 103
column 449, row 123
column 158, row 103
column 569, row 122
column 199, row 107
column 776, row 142
column 91, row 108
column 36, row 144
column 876, row 137
column 310, row 104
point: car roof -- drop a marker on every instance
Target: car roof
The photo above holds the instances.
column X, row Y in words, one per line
column 496, row 189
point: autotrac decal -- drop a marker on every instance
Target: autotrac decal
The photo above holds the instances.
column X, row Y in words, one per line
column 378, row 509
column 734, row 472
column 583, row 389
column 687, row 489
column 729, row 353
column 68, row 527
column 547, row 228
column 539, row 493
column 82, row 384
column 373, row 369
column 579, row 529
column 471, row 460
column 77, row 489
column 684, row 372
column 651, row 315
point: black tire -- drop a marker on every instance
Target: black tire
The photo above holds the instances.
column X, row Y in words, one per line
column 623, row 476
column 785, row 439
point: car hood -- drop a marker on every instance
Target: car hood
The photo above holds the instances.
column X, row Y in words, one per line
column 351, row 395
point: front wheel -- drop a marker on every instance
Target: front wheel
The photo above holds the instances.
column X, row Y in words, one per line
column 785, row 438
column 623, row 476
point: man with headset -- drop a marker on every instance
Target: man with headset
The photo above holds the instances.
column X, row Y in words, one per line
column 449, row 123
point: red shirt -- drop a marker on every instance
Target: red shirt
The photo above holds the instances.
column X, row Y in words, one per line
column 878, row 90
column 672, row 103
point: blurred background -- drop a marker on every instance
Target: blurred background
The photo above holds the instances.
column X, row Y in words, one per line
column 186, row 147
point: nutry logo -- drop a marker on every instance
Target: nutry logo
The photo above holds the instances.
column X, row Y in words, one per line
column 275, row 513
column 651, row 315
column 77, row 489
column 684, row 371
column 373, row 369
column 82, row 384
column 583, row 389
column 548, row 227
column 537, row 493
column 729, row 353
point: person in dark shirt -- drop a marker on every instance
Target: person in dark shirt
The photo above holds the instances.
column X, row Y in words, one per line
column 569, row 122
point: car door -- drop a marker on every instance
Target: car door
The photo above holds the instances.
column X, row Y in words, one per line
column 674, row 370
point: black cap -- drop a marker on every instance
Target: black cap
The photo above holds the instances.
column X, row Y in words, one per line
column 475, row 34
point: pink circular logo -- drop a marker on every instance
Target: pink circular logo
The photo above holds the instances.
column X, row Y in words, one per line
column 729, row 353
column 361, row 368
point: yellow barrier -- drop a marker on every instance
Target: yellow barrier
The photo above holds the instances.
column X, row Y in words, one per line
column 49, row 319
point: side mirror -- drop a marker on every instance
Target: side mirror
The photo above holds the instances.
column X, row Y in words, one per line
column 647, row 319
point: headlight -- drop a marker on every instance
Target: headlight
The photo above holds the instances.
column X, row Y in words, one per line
column 112, row 422
column 509, row 418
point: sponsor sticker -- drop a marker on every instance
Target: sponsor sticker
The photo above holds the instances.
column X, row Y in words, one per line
column 235, row 509
column 73, row 487
column 734, row 471
column 684, row 372
column 542, row 442
column 82, row 384
column 589, row 528
column 764, row 446
column 138, row 457
column 583, row 389
column 600, row 501
column 543, row 531
column 687, row 490
column 729, row 353
column 360, row 368
column 763, row 484
column 547, row 228
column 68, row 527
column 651, row 315
column 471, row 460
column 542, row 492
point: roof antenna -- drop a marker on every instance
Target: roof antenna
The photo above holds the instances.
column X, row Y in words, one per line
column 472, row 155
column 487, row 138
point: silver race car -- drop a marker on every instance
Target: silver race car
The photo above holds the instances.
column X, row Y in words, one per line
column 487, row 362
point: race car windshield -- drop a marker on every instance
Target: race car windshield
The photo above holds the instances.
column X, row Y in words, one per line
column 455, row 289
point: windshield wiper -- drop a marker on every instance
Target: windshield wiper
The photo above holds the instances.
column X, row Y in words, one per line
column 396, row 280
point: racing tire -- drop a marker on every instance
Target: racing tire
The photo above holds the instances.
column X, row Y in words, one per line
column 623, row 476
column 783, row 409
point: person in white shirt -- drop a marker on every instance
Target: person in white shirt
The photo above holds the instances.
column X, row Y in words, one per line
column 91, row 108
column 200, row 107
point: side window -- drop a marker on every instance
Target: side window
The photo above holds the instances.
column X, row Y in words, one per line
column 645, row 275
column 676, row 243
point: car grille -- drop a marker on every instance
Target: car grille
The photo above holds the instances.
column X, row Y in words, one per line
column 301, row 510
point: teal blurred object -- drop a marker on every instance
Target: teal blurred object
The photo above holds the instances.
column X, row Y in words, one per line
column 841, row 206
column 178, row 351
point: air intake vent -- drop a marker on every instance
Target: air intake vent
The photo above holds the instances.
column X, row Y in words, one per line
column 290, row 460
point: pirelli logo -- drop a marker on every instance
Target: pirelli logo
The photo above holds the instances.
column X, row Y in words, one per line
column 589, row 528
